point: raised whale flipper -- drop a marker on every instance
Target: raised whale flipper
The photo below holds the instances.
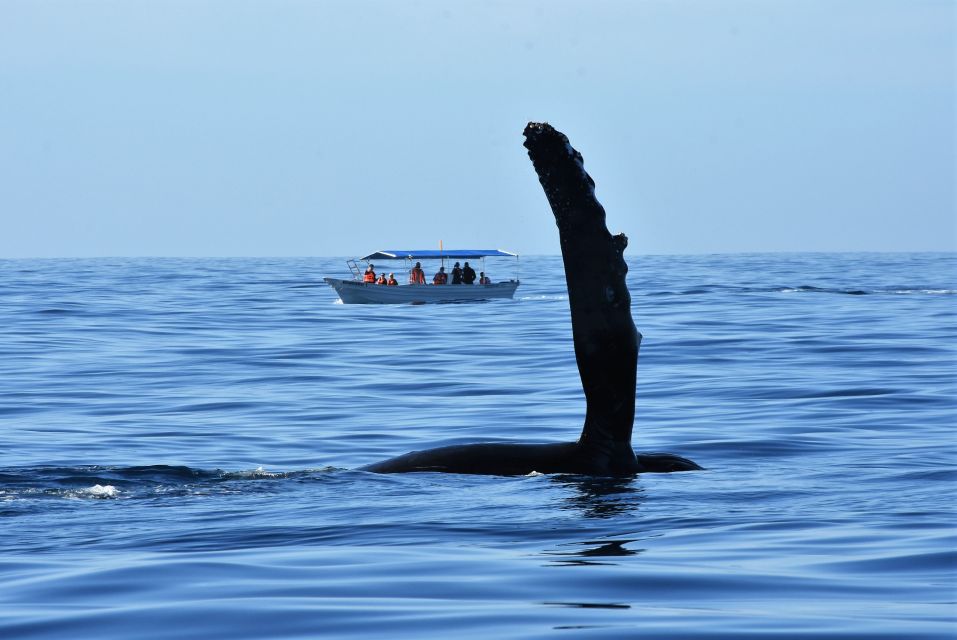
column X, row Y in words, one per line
column 606, row 341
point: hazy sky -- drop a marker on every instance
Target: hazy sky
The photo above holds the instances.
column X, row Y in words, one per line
column 284, row 128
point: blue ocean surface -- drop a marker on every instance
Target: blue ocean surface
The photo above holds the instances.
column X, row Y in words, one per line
column 179, row 441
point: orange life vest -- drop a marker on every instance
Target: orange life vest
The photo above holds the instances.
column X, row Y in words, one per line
column 393, row 282
column 440, row 278
column 417, row 276
column 381, row 279
column 368, row 276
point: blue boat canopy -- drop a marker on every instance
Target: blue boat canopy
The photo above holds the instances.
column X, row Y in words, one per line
column 435, row 254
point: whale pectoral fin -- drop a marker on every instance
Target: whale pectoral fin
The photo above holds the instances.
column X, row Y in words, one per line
column 664, row 463
column 604, row 335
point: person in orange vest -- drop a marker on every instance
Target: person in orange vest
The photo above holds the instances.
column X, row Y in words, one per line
column 417, row 276
column 483, row 279
column 440, row 276
column 392, row 281
column 381, row 279
column 369, row 275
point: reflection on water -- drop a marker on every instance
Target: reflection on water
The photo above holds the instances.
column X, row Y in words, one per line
column 601, row 497
column 588, row 605
column 593, row 549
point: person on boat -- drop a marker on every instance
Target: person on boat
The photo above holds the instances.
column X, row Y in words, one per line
column 484, row 279
column 381, row 280
column 440, row 276
column 456, row 274
column 468, row 274
column 417, row 276
column 369, row 275
column 392, row 281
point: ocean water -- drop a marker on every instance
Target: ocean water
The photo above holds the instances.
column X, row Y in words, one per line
column 179, row 439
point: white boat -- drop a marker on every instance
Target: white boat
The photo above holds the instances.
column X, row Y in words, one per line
column 355, row 291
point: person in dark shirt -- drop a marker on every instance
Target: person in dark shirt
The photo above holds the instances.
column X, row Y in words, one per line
column 456, row 274
column 468, row 274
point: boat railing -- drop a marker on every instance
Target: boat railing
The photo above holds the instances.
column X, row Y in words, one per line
column 354, row 268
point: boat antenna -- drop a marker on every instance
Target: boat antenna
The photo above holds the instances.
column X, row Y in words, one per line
column 441, row 256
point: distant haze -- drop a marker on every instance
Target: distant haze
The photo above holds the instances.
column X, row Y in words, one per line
column 296, row 128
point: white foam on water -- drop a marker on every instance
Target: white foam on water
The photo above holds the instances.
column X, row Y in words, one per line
column 258, row 472
column 101, row 491
column 927, row 291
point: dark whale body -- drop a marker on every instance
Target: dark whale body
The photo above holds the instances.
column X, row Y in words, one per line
column 606, row 342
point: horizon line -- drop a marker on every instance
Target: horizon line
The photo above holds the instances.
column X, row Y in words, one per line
column 528, row 255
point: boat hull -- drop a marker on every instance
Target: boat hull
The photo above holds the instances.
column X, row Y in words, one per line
column 354, row 292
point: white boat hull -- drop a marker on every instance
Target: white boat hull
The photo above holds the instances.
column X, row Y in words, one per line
column 354, row 292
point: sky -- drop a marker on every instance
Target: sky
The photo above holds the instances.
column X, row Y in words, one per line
column 327, row 128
